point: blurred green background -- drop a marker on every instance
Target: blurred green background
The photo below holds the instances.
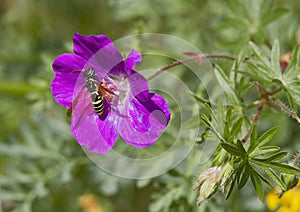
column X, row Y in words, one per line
column 42, row 168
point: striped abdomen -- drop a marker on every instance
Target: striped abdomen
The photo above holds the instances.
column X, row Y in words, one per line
column 97, row 101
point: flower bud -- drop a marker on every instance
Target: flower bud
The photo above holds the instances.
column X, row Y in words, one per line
column 208, row 182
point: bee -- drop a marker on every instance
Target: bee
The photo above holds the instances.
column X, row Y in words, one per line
column 99, row 91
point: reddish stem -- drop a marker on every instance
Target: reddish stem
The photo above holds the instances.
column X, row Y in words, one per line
column 258, row 112
column 191, row 58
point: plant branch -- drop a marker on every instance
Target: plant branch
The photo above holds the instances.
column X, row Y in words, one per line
column 258, row 112
column 193, row 57
column 172, row 65
column 287, row 110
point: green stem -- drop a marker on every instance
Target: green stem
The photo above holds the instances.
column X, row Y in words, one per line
column 17, row 89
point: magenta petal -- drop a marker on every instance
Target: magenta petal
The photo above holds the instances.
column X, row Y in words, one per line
column 87, row 46
column 143, row 127
column 62, row 86
column 120, row 68
column 138, row 83
column 108, row 61
column 99, row 136
column 139, row 86
column 133, row 58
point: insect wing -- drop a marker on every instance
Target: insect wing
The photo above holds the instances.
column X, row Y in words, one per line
column 88, row 129
column 82, row 108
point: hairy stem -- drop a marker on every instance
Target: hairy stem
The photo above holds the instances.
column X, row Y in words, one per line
column 296, row 160
column 287, row 110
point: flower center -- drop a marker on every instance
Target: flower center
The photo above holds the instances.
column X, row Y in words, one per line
column 120, row 87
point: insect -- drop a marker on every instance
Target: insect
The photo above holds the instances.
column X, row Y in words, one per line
column 99, row 91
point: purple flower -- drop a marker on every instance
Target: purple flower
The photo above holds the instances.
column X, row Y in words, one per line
column 128, row 107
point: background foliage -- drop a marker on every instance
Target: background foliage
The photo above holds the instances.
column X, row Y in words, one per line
column 43, row 169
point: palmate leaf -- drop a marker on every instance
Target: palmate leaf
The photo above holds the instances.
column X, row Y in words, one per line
column 293, row 94
column 281, row 167
column 293, row 68
column 264, row 69
column 226, row 84
column 216, row 120
column 257, row 74
column 274, row 15
column 262, row 140
column 231, row 149
column 290, row 79
column 271, row 174
column 262, row 59
column 38, row 165
column 275, row 64
column 164, row 200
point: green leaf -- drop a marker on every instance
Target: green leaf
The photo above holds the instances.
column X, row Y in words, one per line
column 258, row 74
column 226, row 132
column 226, row 84
column 281, row 167
column 284, row 168
column 244, row 85
column 208, row 109
column 206, row 120
column 231, row 149
column 290, row 81
column 239, row 170
column 165, row 201
column 229, row 115
column 275, row 56
column 198, row 98
column 28, row 151
column 11, row 196
column 265, row 180
column 260, row 55
column 257, row 184
column 226, row 126
column 230, row 188
column 276, row 156
column 245, row 176
column 293, row 67
column 241, row 147
column 272, row 15
column 253, row 139
column 220, row 116
column 266, row 137
column 273, row 176
column 264, row 150
column 236, row 127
